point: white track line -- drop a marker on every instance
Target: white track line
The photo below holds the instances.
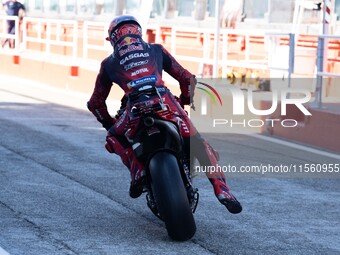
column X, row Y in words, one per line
column 297, row 146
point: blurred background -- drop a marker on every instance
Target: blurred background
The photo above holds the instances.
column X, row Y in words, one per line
column 199, row 9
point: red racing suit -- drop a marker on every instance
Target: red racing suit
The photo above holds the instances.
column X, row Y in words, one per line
column 133, row 63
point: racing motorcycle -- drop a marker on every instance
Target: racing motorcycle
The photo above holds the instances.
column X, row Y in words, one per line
column 154, row 131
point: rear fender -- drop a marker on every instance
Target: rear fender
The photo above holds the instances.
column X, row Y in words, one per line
column 162, row 135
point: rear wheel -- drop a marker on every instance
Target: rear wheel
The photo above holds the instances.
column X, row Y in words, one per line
column 171, row 196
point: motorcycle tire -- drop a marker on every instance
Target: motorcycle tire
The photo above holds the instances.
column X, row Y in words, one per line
column 171, row 196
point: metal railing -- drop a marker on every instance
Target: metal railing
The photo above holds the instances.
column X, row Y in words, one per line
column 100, row 44
column 65, row 33
column 51, row 32
column 246, row 58
column 251, row 59
column 320, row 64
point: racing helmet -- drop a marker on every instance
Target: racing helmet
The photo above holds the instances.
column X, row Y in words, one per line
column 116, row 30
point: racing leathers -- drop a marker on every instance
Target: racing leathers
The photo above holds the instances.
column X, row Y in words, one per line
column 133, row 63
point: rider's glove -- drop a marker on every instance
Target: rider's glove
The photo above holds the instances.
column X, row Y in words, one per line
column 184, row 100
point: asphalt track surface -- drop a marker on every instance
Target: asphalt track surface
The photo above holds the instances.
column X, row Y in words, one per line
column 62, row 193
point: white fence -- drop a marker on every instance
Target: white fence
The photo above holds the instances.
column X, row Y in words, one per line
column 5, row 34
column 101, row 45
column 321, row 73
column 51, row 32
column 65, row 33
column 58, row 32
column 247, row 58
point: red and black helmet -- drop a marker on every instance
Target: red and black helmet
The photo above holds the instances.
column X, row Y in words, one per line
column 114, row 31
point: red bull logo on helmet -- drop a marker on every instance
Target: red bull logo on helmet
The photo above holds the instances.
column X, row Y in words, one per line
column 128, row 41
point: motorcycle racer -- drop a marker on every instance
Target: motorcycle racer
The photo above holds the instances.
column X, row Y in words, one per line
column 132, row 64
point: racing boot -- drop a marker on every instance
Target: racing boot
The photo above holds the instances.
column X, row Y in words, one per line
column 218, row 181
column 137, row 176
column 129, row 159
column 224, row 195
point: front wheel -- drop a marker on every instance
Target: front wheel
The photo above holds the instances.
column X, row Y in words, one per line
column 171, row 196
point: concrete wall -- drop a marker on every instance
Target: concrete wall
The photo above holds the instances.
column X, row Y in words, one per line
column 59, row 75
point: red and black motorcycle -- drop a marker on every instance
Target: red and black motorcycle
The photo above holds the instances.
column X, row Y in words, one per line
column 155, row 134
